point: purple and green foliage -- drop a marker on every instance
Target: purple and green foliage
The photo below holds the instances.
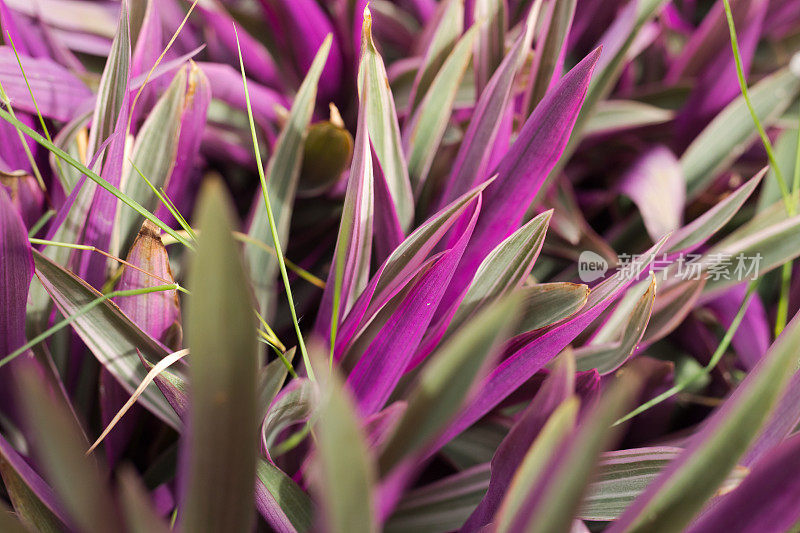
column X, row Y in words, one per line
column 399, row 265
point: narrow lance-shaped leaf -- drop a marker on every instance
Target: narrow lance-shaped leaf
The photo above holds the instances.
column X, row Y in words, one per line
column 90, row 219
column 492, row 16
column 344, row 469
column 385, row 360
column 423, row 133
column 762, row 502
column 354, row 242
column 751, row 250
column 612, row 116
column 16, row 273
column 524, row 168
column 551, row 502
column 472, row 161
column 295, row 404
column 449, row 26
column 731, row 131
column 446, row 381
column 34, row 501
column 282, row 174
column 402, row 265
column 505, row 268
column 620, row 37
column 153, row 155
column 110, row 335
column 618, row 338
column 284, row 505
column 95, row 207
column 695, row 233
column 549, row 56
column 533, row 468
column 179, row 187
column 384, row 130
column 530, row 352
column 680, row 491
column 510, row 453
column 219, row 448
column 60, row 447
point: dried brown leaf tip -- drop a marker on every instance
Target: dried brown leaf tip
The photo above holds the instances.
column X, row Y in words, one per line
column 157, row 313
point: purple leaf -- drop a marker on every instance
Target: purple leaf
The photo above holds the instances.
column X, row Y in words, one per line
column 752, row 337
column 524, row 169
column 379, row 369
column 15, row 470
column 680, row 491
column 471, row 163
column 764, row 501
column 532, row 351
column 509, row 455
column 351, row 257
column 181, row 182
column 226, row 85
column 404, row 263
column 303, row 25
column 58, row 92
column 257, row 60
column 16, row 273
column 656, row 185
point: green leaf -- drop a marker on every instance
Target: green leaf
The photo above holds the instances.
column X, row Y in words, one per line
column 706, row 225
column 60, row 447
column 283, row 172
column 617, row 339
column 544, row 449
column 492, row 18
column 140, row 516
column 504, row 269
column 110, row 335
column 113, row 87
column 767, row 241
column 450, row 25
column 8, row 522
column 548, row 303
column 441, row 506
column 731, row 132
column 615, row 115
column 271, row 379
column 548, row 50
column 681, row 491
column 384, row 130
column 221, row 441
column 624, row 474
column 29, row 507
column 298, row 403
column 292, row 500
column 446, row 380
column 567, row 477
column 424, row 132
column 153, row 155
column 344, row 469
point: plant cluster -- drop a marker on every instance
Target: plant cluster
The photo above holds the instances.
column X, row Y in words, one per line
column 408, row 265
